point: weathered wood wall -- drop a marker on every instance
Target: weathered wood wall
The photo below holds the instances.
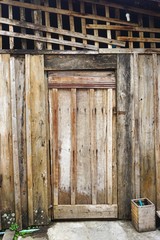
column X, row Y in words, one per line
column 138, row 129
column 25, row 187
column 23, row 141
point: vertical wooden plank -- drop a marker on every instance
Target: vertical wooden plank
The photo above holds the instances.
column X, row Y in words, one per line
column 93, row 146
column 21, row 132
column 101, row 148
column 83, row 149
column 135, row 127
column 109, row 147
column 152, row 35
column 37, row 19
column 6, row 158
column 37, row 133
column 28, row 138
column 114, row 148
column 23, row 18
column 55, row 146
column 16, row 169
column 94, row 11
column 71, row 20
column 39, row 140
column 108, row 31
column 83, row 22
column 156, row 72
column 64, row 146
column 11, row 39
column 51, row 148
column 124, row 135
column 49, row 161
column 141, row 34
column 47, row 23
column 146, row 129
column 60, row 22
column 117, row 15
column 74, row 147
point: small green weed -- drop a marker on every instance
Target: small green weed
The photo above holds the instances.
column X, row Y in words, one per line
column 15, row 227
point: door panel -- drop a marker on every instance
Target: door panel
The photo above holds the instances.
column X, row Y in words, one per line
column 83, row 143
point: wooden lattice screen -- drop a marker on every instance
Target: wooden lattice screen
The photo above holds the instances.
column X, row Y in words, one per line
column 75, row 25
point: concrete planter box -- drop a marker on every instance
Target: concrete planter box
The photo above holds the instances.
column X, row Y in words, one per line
column 143, row 215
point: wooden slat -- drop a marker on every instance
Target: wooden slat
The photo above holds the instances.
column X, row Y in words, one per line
column 101, row 148
column 83, row 21
column 156, row 76
column 37, row 19
column 146, row 130
column 21, row 131
column 141, row 35
column 152, row 35
column 51, row 148
column 94, row 11
column 58, row 31
column 108, row 31
column 142, row 40
column 124, row 135
column 117, row 15
column 82, row 82
column 86, row 211
column 6, row 158
column 23, row 18
column 28, row 139
column 55, row 145
column 122, row 28
column 60, row 23
column 135, row 128
column 93, row 146
column 67, row 12
column 47, row 23
column 81, row 62
column 11, row 39
column 37, row 140
column 71, row 21
column 74, row 147
column 64, row 146
column 16, row 169
column 48, row 40
column 109, row 147
column 114, row 148
column 84, row 187
column 49, row 162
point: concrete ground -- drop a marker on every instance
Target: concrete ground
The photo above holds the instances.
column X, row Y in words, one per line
column 93, row 230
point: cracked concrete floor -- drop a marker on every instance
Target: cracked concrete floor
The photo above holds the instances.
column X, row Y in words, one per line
column 95, row 230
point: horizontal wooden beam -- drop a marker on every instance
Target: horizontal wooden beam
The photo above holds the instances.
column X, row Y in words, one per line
column 48, row 40
column 134, row 39
column 85, row 211
column 66, row 12
column 83, row 79
column 122, row 28
column 61, row 32
column 81, row 62
column 101, row 51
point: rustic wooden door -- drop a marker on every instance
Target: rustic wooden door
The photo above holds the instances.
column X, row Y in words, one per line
column 83, row 144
